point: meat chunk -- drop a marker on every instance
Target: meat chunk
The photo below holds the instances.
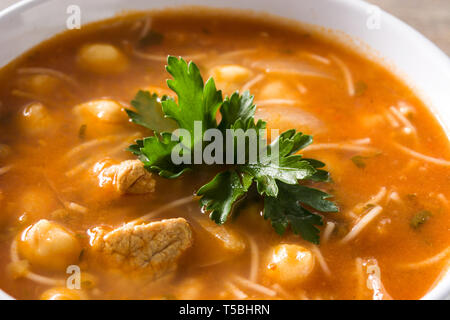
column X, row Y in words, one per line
column 130, row 176
column 152, row 248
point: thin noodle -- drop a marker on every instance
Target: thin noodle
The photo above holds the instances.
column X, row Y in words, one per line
column 254, row 286
column 5, row 169
column 329, row 228
column 119, row 149
column 360, row 278
column 238, row 293
column 277, row 101
column 235, row 53
column 146, row 27
column 425, row 263
column 88, row 162
column 281, row 291
column 82, row 166
column 323, row 264
column 31, row 275
column 45, row 280
column 54, row 190
column 252, row 82
column 31, row 96
column 362, row 141
column 301, row 73
column 361, row 224
column 347, row 74
column 254, row 256
column 94, row 143
column 160, row 58
column 316, row 57
column 423, row 157
column 51, row 72
column 168, row 206
column 122, row 147
column 76, row 207
column 392, row 120
column 408, row 125
column 375, row 199
column 341, row 147
column 374, row 281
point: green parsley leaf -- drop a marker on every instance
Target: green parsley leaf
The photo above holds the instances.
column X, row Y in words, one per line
column 277, row 170
column 359, row 161
column 360, row 88
column 196, row 102
column 155, row 152
column 219, row 195
column 320, row 175
column 285, row 210
column 282, row 165
column 420, row 218
column 149, row 112
column 236, row 107
column 250, row 132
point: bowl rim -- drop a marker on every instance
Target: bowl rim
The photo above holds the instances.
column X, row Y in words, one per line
column 441, row 290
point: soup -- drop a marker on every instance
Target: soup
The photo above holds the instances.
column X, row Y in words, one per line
column 78, row 208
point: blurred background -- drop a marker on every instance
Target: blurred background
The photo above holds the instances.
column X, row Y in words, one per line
column 429, row 17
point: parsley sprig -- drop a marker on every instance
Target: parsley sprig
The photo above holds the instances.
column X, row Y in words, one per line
column 277, row 175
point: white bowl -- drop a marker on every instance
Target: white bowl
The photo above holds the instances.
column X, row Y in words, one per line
column 411, row 56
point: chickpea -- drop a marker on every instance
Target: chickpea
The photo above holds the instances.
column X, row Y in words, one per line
column 36, row 119
column 230, row 77
column 289, row 264
column 231, row 73
column 189, row 289
column 41, row 84
column 286, row 117
column 35, row 202
column 48, row 245
column 105, row 110
column 62, row 293
column 102, row 58
column 278, row 90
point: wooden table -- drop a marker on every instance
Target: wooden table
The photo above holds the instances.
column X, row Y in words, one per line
column 429, row 17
